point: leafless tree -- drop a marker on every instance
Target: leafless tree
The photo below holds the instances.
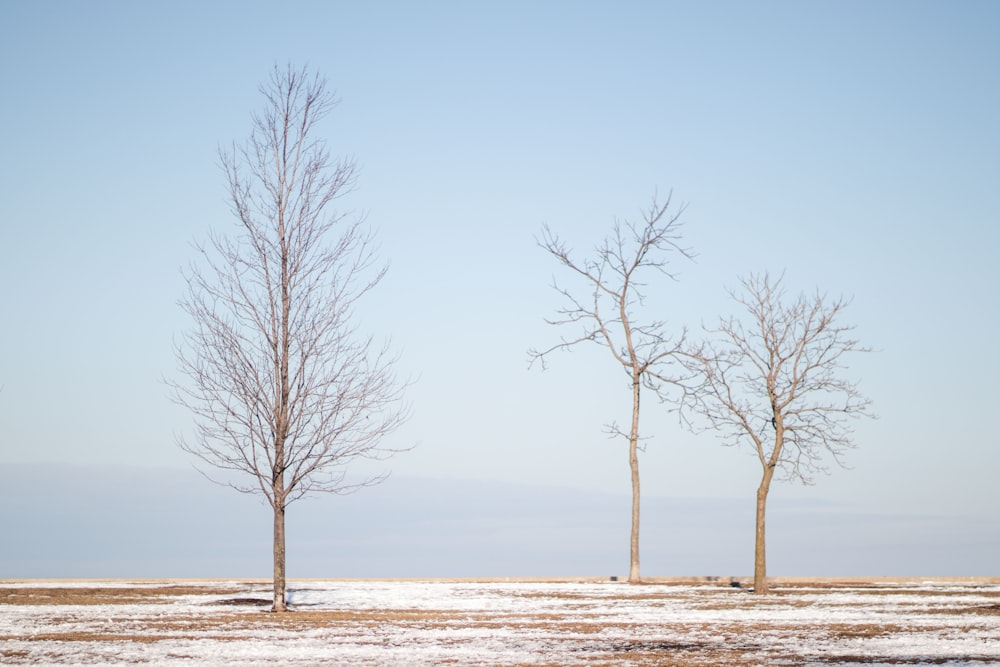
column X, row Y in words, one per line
column 606, row 314
column 284, row 389
column 775, row 382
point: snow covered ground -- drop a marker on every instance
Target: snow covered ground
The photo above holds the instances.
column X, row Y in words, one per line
column 500, row 623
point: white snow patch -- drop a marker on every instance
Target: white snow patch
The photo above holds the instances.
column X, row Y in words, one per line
column 517, row 623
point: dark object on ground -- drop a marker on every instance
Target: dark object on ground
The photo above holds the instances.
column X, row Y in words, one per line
column 243, row 602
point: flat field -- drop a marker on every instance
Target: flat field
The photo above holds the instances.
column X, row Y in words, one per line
column 668, row 623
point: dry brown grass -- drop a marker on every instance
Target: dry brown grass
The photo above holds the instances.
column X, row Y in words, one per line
column 87, row 595
column 568, row 629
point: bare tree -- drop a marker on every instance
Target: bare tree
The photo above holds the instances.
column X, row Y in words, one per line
column 606, row 315
column 283, row 388
column 775, row 383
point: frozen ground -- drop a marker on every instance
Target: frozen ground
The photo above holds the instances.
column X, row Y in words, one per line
column 501, row 623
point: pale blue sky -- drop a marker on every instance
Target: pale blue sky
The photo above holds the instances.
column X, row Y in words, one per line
column 854, row 145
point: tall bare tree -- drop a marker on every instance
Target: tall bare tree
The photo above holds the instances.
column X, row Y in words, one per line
column 283, row 388
column 775, row 383
column 607, row 315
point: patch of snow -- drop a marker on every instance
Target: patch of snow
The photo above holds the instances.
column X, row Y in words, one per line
column 514, row 623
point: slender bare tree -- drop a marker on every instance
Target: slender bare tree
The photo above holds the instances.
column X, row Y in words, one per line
column 607, row 315
column 775, row 383
column 283, row 388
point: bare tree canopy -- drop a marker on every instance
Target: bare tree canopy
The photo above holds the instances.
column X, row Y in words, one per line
column 774, row 381
column 283, row 387
column 607, row 314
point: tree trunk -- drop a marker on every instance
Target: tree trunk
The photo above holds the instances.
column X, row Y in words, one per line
column 279, row 500
column 279, row 558
column 633, row 461
column 760, row 554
